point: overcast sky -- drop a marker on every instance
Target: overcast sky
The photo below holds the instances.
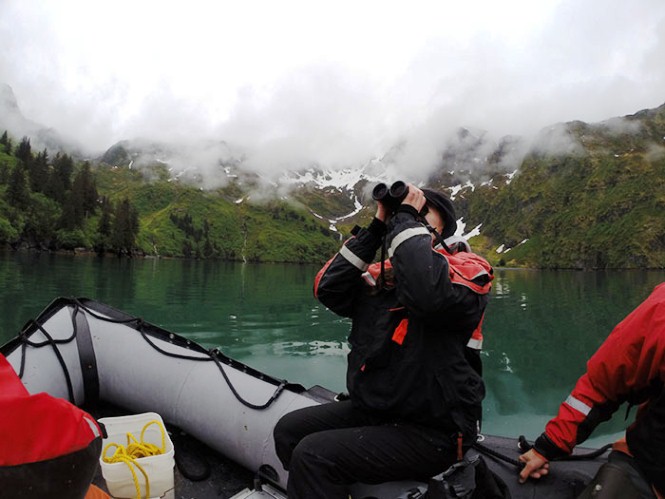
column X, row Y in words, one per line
column 333, row 82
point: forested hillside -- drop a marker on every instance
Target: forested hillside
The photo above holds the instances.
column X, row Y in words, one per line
column 57, row 204
column 600, row 206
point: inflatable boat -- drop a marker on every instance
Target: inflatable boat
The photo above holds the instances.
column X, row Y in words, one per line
column 219, row 412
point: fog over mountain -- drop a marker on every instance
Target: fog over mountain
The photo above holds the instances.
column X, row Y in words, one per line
column 289, row 85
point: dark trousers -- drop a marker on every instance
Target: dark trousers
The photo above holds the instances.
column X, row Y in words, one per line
column 646, row 440
column 628, row 464
column 328, row 447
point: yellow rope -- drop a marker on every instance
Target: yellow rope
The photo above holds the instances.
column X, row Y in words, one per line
column 135, row 450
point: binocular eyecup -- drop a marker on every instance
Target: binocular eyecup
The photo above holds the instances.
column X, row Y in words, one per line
column 390, row 197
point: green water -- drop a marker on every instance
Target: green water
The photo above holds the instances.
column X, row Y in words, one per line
column 540, row 326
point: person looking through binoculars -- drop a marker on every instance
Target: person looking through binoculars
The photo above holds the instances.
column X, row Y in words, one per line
column 414, row 373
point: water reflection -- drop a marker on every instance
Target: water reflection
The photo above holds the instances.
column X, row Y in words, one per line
column 540, row 327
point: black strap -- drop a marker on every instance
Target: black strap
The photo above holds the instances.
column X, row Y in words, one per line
column 491, row 452
column 86, row 357
column 438, row 238
column 54, row 344
column 524, row 446
column 214, row 354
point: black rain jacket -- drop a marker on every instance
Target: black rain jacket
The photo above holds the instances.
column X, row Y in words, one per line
column 408, row 360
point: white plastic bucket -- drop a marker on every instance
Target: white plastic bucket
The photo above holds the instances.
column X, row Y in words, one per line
column 159, row 468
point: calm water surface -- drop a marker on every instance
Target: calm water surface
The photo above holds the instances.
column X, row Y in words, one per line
column 540, row 327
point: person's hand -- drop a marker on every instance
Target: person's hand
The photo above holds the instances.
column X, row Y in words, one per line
column 415, row 197
column 381, row 212
column 536, row 465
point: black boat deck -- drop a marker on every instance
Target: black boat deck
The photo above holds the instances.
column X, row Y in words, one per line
column 202, row 473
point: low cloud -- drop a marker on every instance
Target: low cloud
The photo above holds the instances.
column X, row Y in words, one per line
column 337, row 88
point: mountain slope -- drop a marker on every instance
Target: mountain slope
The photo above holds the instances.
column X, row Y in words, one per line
column 177, row 219
column 600, row 206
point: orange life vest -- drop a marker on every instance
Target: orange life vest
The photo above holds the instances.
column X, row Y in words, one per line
column 465, row 269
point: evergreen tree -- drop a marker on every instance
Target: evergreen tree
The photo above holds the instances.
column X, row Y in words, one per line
column 104, row 225
column 72, row 212
column 63, row 167
column 187, row 249
column 39, row 172
column 81, row 201
column 17, row 189
column 125, row 227
column 60, row 177
column 24, row 151
column 41, row 217
column 6, row 143
column 85, row 190
column 5, row 172
column 208, row 248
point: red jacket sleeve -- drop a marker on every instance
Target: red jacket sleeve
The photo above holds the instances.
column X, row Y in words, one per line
column 621, row 370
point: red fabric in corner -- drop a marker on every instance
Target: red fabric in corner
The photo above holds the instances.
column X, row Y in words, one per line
column 38, row 427
column 10, row 384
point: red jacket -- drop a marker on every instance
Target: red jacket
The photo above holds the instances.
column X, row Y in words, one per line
column 48, row 447
column 628, row 367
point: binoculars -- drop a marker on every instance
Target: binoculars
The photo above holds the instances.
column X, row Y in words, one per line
column 390, row 197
